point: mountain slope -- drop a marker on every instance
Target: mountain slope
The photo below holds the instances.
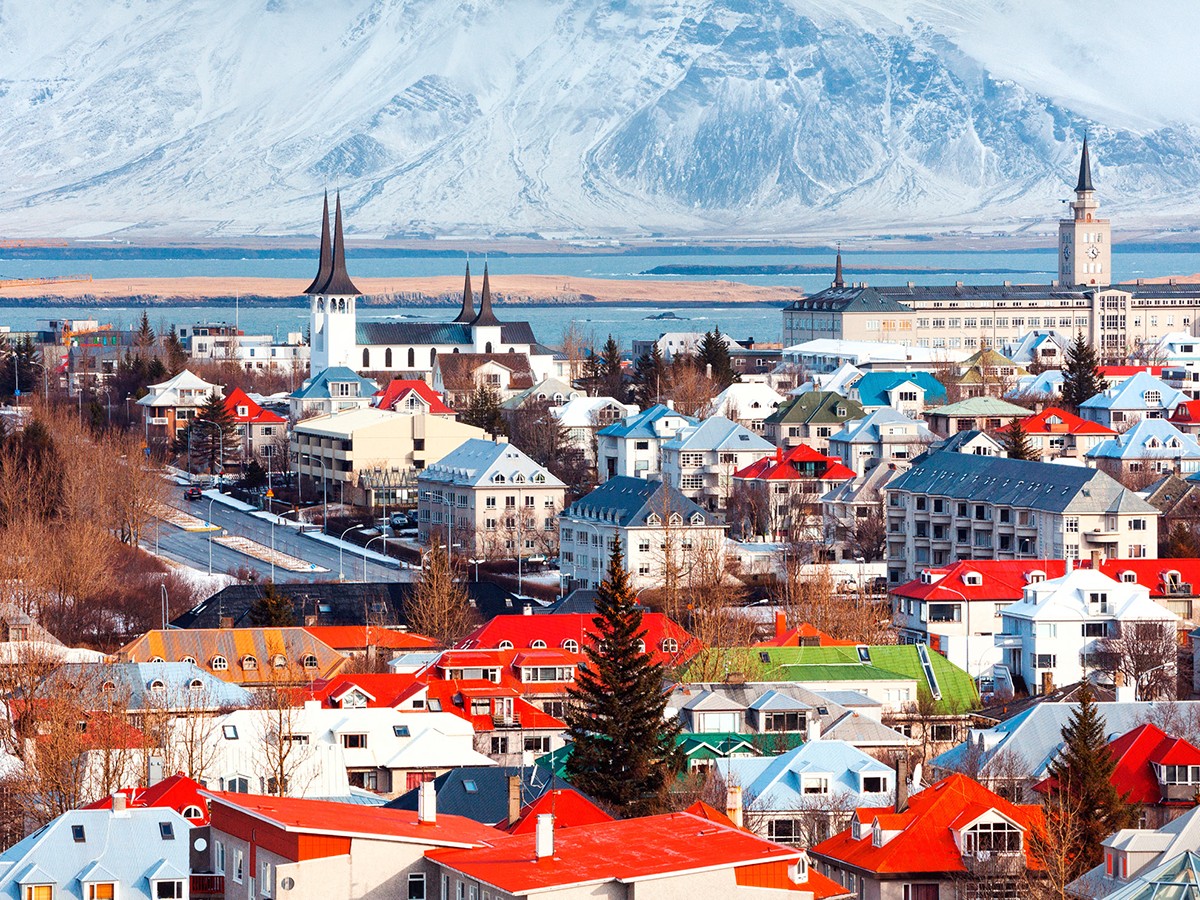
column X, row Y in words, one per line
column 565, row 117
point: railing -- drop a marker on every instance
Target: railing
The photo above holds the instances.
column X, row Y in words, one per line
column 1180, row 792
column 207, row 886
column 506, row 721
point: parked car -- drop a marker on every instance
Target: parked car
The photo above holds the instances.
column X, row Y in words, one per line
column 193, row 493
column 402, row 520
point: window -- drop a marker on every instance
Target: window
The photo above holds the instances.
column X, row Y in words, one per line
column 992, row 837
column 815, row 784
column 77, row 834
column 193, row 813
column 785, row 721
column 921, row 892
column 401, row 730
column 1095, row 629
column 1044, row 660
column 537, row 645
column 571, row 646
column 102, row 891
column 310, row 662
column 264, row 877
column 499, row 745
column 537, row 744
column 670, row 645
column 354, row 741
column 1137, row 524
column 239, row 865
column 785, row 831
column 168, row 890
column 39, row 892
column 1071, row 524
column 229, row 732
column 942, row 733
column 166, row 830
column 874, row 784
column 416, row 886
column 219, row 664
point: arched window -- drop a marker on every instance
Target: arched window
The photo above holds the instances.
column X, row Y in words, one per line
column 219, row 664
column 412, row 358
column 188, row 659
column 455, row 349
column 570, row 646
column 157, row 659
column 670, row 645
column 366, row 357
column 108, row 687
column 538, row 645
column 641, row 646
column 196, row 685
column 157, row 686
column 249, row 663
column 310, row 662
column 511, row 350
column 193, row 813
column 387, row 358
column 432, row 356
column 487, row 348
column 279, row 661
column 320, row 304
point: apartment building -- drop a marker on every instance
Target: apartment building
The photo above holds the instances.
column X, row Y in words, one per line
column 960, row 506
column 701, row 460
column 633, row 446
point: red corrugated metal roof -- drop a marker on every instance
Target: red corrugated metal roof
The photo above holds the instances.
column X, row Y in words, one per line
column 570, row 810
column 1069, row 424
column 399, row 388
column 359, row 637
column 553, row 630
column 177, row 792
column 255, row 414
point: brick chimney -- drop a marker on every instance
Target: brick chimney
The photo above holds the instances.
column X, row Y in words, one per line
column 733, row 804
column 1047, row 682
column 901, row 782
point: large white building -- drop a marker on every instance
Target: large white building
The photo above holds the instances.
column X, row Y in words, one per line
column 1052, row 636
column 410, row 348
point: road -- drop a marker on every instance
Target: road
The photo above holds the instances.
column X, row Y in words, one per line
column 193, row 548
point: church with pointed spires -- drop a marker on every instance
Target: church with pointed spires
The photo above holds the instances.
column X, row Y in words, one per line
column 401, row 349
column 1119, row 318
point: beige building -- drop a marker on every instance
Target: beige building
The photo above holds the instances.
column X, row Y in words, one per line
column 488, row 499
column 370, row 456
column 1116, row 318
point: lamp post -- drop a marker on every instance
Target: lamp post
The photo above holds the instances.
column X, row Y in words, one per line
column 382, row 537
column 163, row 585
column 341, row 571
column 210, row 527
column 273, row 523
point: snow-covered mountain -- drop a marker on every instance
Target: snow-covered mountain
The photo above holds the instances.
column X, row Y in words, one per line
column 584, row 117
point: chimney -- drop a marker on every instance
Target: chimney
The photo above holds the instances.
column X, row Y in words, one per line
column 733, row 804
column 226, row 621
column 780, row 624
column 155, row 771
column 1125, row 693
column 119, row 804
column 1068, row 565
column 1047, row 683
column 813, row 731
column 1097, row 558
column 427, row 803
column 670, row 404
column 901, row 782
column 545, row 836
column 514, row 798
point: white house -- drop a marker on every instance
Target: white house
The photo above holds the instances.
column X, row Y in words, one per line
column 632, row 447
column 702, row 459
column 660, row 531
column 1051, row 637
column 747, row 403
column 583, row 416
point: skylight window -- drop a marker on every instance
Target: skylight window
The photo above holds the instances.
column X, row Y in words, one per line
column 470, row 786
column 77, row 834
column 167, row 830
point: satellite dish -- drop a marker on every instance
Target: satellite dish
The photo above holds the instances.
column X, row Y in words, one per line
column 286, row 884
column 916, row 777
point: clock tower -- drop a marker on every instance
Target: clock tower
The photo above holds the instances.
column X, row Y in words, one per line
column 1084, row 239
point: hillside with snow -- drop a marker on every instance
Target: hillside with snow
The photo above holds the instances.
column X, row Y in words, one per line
column 573, row 118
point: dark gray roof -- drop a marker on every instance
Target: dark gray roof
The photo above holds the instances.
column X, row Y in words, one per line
column 377, row 333
column 850, row 299
column 488, row 803
column 348, row 603
column 339, row 279
column 325, row 266
column 628, row 501
column 468, row 304
column 486, row 316
column 1085, row 169
column 1015, row 482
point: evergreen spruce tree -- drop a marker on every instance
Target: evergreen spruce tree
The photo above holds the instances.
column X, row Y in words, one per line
column 623, row 753
column 650, row 378
column 612, row 376
column 213, row 436
column 1081, row 374
column 484, row 411
column 272, row 609
column 1016, row 441
column 714, row 352
column 1082, row 793
column 144, row 338
column 177, row 355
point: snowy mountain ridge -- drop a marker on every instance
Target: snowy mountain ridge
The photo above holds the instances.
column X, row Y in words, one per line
column 576, row 118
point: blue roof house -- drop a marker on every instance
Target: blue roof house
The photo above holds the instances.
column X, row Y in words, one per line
column 906, row 392
column 1142, row 396
column 330, row 391
column 1153, row 446
column 807, row 794
column 633, row 446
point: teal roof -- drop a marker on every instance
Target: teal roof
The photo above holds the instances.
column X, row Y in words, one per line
column 317, row 387
column 641, row 425
column 872, row 388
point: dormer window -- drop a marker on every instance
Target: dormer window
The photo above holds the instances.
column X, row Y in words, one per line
column 539, row 478
column 518, row 478
column 992, row 837
column 1129, row 577
column 653, row 519
column 498, row 478
column 972, row 579
column 1153, row 398
column 243, row 411
column 1036, row 576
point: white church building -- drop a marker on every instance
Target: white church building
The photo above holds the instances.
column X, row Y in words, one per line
column 402, row 349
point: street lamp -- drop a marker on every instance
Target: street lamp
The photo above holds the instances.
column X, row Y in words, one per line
column 382, row 537
column 341, row 572
column 163, row 585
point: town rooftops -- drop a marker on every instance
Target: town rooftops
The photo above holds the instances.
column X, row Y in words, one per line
column 362, row 637
column 150, row 686
column 400, row 391
column 480, row 793
column 1149, row 439
column 883, row 422
column 375, row 334
column 1138, row 392
column 624, row 852
column 246, row 411
column 980, row 406
column 873, row 388
column 569, row 808
column 638, row 502
column 480, row 463
column 241, row 655
column 184, row 389
column 1055, row 420
column 1014, row 482
column 718, row 433
column 816, row 407
column 177, row 792
column 848, row 298
column 317, row 387
column 322, row 817
column 800, row 462
column 458, row 370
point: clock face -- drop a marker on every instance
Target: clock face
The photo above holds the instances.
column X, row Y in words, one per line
column 1066, row 252
column 1093, row 251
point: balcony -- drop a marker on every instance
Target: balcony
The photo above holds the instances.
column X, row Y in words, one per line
column 1101, row 535
column 207, row 886
column 506, row 721
column 1179, row 793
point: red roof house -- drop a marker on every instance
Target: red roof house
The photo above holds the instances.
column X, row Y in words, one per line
column 801, row 463
column 934, row 840
column 1055, row 433
column 569, row 808
column 256, row 427
column 666, row 642
column 356, row 640
column 177, row 792
column 803, row 635
column 1186, row 416
column 411, row 396
column 1152, row 769
column 702, row 857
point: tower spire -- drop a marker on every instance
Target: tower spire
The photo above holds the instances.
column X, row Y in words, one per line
column 339, row 280
column 486, row 316
column 467, row 315
column 837, row 272
column 1085, row 169
column 325, row 266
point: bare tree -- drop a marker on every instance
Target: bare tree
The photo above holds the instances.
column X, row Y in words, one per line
column 1144, row 654
column 438, row 606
